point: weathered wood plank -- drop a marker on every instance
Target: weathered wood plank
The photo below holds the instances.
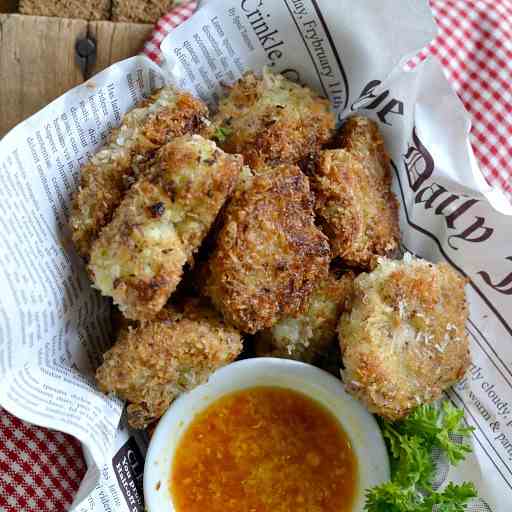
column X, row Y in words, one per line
column 116, row 41
column 37, row 63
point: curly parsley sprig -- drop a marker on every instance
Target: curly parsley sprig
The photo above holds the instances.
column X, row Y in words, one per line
column 222, row 133
column 410, row 443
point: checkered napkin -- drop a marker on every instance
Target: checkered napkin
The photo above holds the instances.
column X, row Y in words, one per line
column 474, row 46
column 164, row 25
column 41, row 470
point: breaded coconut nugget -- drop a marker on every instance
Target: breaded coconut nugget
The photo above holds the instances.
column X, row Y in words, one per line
column 150, row 365
column 269, row 254
column 357, row 211
column 361, row 137
column 111, row 171
column 404, row 341
column 270, row 120
column 138, row 258
column 309, row 335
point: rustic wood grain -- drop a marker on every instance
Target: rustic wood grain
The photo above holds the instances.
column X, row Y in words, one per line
column 37, row 63
column 116, row 41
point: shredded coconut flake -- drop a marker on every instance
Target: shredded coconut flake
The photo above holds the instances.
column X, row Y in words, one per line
column 425, row 337
column 408, row 257
column 402, row 309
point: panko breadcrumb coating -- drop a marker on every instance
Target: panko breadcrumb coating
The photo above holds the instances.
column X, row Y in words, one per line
column 404, row 341
column 356, row 209
column 361, row 136
column 269, row 253
column 150, row 365
column 271, row 120
column 309, row 335
column 113, row 169
column 138, row 258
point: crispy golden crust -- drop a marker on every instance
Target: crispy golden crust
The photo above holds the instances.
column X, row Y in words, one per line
column 111, row 171
column 138, row 258
column 150, row 365
column 356, row 209
column 361, row 137
column 269, row 254
column 309, row 335
column 270, row 120
column 404, row 341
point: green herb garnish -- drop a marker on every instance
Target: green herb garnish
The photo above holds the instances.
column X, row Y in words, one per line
column 410, row 443
column 222, row 133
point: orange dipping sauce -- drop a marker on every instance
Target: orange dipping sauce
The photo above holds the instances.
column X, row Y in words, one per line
column 264, row 449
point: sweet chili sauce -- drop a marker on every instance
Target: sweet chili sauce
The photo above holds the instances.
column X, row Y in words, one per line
column 264, row 449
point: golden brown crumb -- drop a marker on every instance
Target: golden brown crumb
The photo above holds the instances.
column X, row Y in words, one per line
column 270, row 120
column 111, row 171
column 309, row 335
column 150, row 365
column 356, row 209
column 404, row 341
column 269, row 254
column 138, row 258
column 75, row 9
column 361, row 137
column 137, row 11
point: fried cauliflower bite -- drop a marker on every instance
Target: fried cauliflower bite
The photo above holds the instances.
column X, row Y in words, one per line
column 357, row 210
column 111, row 171
column 138, row 258
column 270, row 120
column 361, row 137
column 404, row 341
column 269, row 254
column 309, row 335
column 150, row 365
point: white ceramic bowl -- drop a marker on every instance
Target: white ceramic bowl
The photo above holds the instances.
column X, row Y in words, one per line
column 358, row 423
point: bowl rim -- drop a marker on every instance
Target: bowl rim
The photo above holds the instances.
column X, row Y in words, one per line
column 359, row 425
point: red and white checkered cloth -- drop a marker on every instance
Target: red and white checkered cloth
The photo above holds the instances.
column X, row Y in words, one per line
column 164, row 25
column 474, row 47
column 41, row 470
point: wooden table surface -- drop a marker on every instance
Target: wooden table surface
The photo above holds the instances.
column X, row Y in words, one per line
column 38, row 60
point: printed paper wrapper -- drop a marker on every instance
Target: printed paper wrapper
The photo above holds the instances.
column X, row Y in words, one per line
column 55, row 327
